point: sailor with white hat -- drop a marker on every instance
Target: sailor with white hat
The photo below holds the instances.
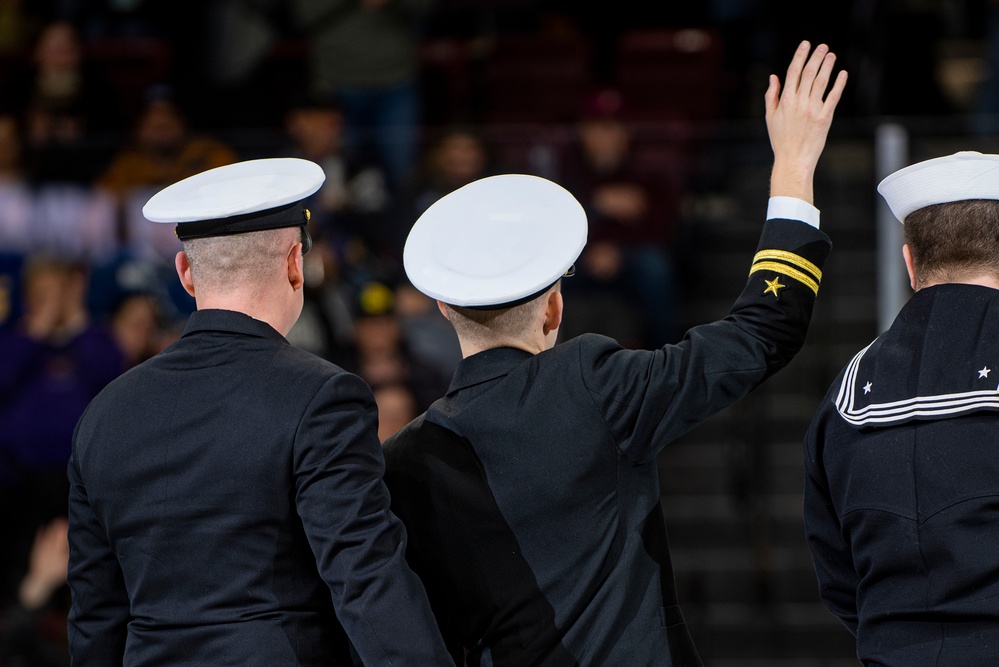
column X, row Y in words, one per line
column 530, row 490
column 227, row 495
column 526, row 474
column 902, row 456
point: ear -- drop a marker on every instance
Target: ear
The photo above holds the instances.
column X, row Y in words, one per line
column 296, row 272
column 907, row 255
column 183, row 267
column 441, row 307
column 553, row 312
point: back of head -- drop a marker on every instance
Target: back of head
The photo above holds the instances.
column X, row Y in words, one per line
column 494, row 251
column 950, row 210
column 955, row 241
column 240, row 263
column 489, row 328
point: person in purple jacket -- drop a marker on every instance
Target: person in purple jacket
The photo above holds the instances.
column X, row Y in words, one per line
column 53, row 361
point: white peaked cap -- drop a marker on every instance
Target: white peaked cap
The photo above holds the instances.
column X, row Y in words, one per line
column 241, row 197
column 958, row 177
column 495, row 241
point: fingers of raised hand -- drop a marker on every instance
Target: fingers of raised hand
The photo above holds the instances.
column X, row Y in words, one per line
column 832, row 99
column 815, row 77
column 809, row 75
column 791, row 82
column 772, row 95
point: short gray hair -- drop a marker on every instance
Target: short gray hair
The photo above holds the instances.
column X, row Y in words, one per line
column 225, row 263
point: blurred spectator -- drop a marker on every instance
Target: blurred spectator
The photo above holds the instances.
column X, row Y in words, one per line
column 74, row 220
column 65, row 103
column 47, row 203
column 429, row 335
column 365, row 53
column 114, row 281
column 15, row 194
column 163, row 150
column 353, row 205
column 56, row 217
column 33, row 628
column 632, row 215
column 384, row 355
column 138, row 327
column 396, row 408
column 325, row 326
column 54, row 362
column 458, row 155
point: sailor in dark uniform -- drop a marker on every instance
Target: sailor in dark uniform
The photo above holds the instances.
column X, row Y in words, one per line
column 530, row 491
column 902, row 457
column 227, row 504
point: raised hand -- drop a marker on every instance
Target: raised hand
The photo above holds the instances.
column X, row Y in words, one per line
column 798, row 118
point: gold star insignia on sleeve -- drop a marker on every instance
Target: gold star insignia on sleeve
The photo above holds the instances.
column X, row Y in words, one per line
column 787, row 264
column 773, row 286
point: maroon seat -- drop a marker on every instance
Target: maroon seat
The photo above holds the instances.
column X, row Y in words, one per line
column 131, row 66
column 670, row 73
column 536, row 78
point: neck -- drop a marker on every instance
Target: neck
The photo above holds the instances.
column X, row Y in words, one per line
column 469, row 348
column 258, row 307
column 982, row 280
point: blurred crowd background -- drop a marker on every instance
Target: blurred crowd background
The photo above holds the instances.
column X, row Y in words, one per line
column 632, row 106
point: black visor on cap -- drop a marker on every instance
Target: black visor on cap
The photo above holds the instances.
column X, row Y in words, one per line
column 290, row 215
column 570, row 272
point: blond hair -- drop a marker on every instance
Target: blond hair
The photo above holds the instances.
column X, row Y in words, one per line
column 481, row 326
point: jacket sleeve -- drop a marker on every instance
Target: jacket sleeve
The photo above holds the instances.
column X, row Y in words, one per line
column 649, row 398
column 837, row 576
column 100, row 612
column 359, row 544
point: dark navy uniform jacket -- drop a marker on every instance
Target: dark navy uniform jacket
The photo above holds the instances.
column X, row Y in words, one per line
column 902, row 486
column 227, row 508
column 531, row 494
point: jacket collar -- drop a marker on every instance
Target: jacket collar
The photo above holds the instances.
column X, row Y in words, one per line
column 229, row 321
column 486, row 365
column 932, row 363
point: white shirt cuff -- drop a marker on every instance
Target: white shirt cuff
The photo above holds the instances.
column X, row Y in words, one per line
column 792, row 208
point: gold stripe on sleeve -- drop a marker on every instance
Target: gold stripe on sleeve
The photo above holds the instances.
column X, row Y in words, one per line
column 790, row 258
column 788, row 271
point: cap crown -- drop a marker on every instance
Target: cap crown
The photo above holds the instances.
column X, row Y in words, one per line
column 495, row 241
column 236, row 189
